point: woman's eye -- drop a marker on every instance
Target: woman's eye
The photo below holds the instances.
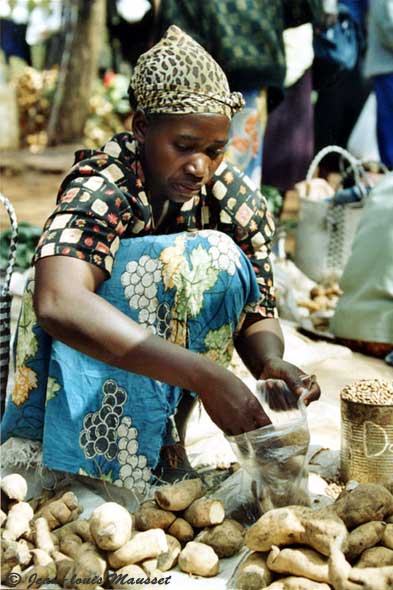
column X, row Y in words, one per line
column 182, row 148
column 216, row 153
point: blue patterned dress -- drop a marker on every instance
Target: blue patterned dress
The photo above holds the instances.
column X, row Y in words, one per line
column 192, row 288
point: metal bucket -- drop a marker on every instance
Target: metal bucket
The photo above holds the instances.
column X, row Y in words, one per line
column 366, row 442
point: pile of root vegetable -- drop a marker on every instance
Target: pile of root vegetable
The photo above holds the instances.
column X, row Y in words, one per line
column 345, row 546
column 321, row 303
column 179, row 527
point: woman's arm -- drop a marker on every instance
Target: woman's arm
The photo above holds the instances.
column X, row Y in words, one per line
column 68, row 308
column 260, row 345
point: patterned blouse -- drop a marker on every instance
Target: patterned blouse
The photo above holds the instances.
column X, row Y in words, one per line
column 103, row 200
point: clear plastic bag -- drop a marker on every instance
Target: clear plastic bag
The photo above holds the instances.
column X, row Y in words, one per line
column 274, row 457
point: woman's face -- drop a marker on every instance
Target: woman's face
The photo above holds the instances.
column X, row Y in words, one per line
column 180, row 153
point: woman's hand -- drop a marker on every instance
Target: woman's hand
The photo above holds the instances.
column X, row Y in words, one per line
column 297, row 381
column 231, row 405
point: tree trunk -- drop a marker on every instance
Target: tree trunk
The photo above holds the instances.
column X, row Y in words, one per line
column 78, row 70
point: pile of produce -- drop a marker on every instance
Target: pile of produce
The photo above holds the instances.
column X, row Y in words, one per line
column 346, row 546
column 377, row 392
column 321, row 304
column 108, row 110
column 34, row 93
column 48, row 541
column 108, row 107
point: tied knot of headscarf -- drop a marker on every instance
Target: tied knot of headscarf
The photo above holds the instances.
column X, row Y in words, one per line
column 178, row 76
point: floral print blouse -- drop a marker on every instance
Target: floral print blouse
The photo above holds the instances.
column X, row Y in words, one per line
column 103, row 200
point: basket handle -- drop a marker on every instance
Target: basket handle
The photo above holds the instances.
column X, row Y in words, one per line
column 13, row 244
column 355, row 164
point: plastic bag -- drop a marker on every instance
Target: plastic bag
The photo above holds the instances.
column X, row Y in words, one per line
column 362, row 142
column 274, row 457
column 237, row 496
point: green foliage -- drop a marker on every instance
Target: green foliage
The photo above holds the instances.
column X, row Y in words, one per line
column 28, row 236
column 274, row 199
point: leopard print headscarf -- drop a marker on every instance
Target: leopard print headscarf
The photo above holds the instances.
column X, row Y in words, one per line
column 178, row 76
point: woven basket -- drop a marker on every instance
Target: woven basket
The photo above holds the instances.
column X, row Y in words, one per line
column 326, row 230
column 5, row 305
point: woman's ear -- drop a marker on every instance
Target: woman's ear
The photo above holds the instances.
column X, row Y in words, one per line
column 140, row 124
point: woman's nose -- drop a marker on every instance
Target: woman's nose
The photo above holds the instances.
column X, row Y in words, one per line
column 198, row 166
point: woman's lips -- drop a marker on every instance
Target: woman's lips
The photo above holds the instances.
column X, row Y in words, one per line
column 187, row 189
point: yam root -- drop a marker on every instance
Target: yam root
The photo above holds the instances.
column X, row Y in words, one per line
column 89, row 566
column 298, row 525
column 70, row 545
column 13, row 553
column 322, row 301
column 182, row 530
column 199, row 559
column 226, row 538
column 389, row 486
column 339, row 567
column 375, row 557
column 168, row 560
column 42, row 558
column 297, row 583
column 253, row 573
column 205, row 512
column 150, row 565
column 3, row 517
column 80, row 527
column 42, row 535
column 150, row 517
column 179, row 496
column 34, row 575
column 142, row 546
column 18, row 521
column 309, row 304
column 110, row 526
column 370, row 578
column 317, row 291
column 64, row 565
column 44, row 568
column 387, row 537
column 60, row 511
column 363, row 537
column 365, row 503
column 14, row 486
column 301, row 562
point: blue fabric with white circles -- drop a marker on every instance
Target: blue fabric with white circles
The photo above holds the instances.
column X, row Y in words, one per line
column 189, row 288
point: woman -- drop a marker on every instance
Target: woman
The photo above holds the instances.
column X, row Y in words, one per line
column 157, row 250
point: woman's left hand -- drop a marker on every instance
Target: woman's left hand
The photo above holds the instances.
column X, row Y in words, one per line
column 296, row 380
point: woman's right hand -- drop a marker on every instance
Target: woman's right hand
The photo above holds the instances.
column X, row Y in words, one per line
column 231, row 405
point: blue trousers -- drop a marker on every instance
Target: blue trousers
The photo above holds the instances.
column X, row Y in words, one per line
column 383, row 86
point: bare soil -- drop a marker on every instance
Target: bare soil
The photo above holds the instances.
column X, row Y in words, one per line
column 31, row 181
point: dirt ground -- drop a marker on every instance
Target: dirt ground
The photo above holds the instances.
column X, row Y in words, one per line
column 31, row 181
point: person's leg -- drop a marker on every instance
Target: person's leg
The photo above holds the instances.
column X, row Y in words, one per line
column 289, row 137
column 383, row 86
column 210, row 322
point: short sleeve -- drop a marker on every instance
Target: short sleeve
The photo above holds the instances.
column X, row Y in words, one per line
column 91, row 215
column 244, row 215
